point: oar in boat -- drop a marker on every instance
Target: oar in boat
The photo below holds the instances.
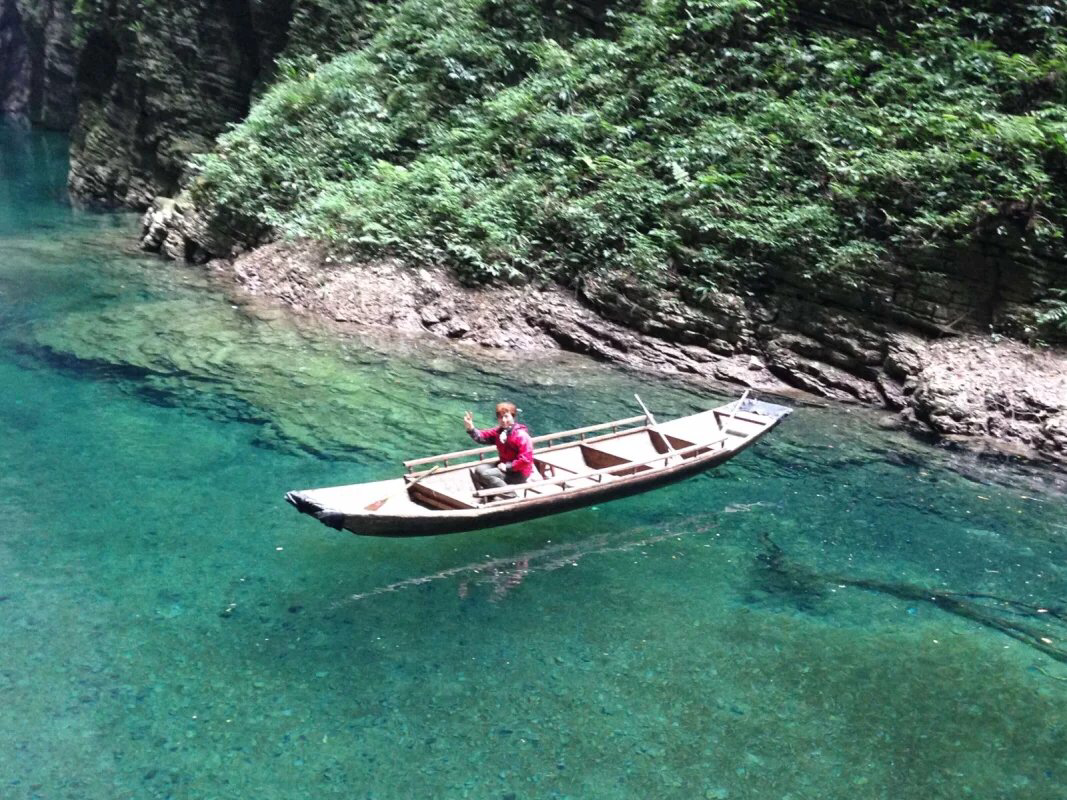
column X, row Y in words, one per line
column 655, row 425
column 407, row 487
column 733, row 413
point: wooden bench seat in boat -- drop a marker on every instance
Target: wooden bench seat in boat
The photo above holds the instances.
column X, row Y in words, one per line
column 739, row 423
column 455, row 489
column 561, row 463
column 638, row 446
column 450, row 489
column 706, row 427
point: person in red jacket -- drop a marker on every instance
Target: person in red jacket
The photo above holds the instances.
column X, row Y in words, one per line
column 513, row 445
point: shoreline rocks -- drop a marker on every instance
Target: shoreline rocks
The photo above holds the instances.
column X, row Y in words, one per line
column 990, row 395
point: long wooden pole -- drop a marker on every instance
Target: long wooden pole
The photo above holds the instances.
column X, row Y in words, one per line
column 737, row 407
column 655, row 425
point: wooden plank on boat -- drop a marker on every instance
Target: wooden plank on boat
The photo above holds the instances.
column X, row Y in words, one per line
column 612, row 470
column 452, row 489
column 568, row 460
column 548, row 437
column 742, row 415
column 641, row 444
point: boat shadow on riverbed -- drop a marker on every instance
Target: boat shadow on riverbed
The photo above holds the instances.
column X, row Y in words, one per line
column 503, row 574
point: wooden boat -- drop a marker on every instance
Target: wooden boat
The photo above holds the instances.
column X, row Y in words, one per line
column 574, row 468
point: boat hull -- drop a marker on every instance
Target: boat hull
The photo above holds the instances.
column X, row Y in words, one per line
column 438, row 522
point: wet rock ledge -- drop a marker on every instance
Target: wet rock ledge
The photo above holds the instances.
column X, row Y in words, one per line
column 984, row 393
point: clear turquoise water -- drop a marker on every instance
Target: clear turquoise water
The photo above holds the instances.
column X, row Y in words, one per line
column 169, row 628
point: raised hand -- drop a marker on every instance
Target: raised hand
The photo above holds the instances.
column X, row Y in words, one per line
column 468, row 421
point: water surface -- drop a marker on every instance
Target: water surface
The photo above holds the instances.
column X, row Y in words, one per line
column 838, row 613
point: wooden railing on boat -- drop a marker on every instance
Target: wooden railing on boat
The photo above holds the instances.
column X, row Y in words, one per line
column 548, row 437
column 599, row 474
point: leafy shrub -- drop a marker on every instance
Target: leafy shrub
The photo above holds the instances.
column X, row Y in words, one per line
column 1052, row 317
column 700, row 142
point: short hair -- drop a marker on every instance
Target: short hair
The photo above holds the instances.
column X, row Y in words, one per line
column 502, row 407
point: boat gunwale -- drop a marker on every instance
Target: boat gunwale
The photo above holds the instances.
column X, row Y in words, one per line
column 546, row 437
column 445, row 457
column 665, row 457
column 490, row 509
column 433, row 522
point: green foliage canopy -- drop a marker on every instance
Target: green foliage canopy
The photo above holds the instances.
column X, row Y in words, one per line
column 696, row 141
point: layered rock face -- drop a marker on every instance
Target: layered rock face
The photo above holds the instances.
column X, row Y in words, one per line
column 157, row 85
column 14, row 61
column 834, row 340
column 37, row 62
column 917, row 337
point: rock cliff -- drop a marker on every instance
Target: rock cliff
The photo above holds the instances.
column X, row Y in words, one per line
column 156, row 85
column 37, row 61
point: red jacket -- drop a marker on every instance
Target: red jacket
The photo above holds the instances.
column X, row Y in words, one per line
column 513, row 446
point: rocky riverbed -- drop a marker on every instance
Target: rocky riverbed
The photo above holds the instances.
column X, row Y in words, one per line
column 985, row 393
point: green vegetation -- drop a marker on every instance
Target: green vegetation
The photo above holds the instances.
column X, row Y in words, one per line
column 694, row 143
column 1053, row 314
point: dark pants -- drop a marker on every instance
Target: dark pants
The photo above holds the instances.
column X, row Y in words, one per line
column 490, row 476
